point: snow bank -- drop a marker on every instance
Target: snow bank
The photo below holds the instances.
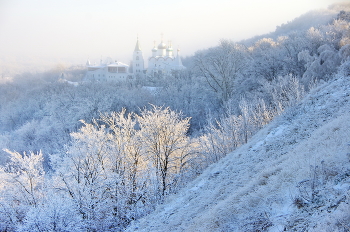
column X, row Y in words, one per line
column 265, row 184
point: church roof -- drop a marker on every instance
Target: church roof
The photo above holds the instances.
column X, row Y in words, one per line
column 162, row 45
column 137, row 47
column 118, row 64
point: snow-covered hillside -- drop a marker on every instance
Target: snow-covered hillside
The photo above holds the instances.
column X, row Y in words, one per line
column 292, row 175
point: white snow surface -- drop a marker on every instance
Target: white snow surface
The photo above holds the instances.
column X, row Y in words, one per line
column 254, row 187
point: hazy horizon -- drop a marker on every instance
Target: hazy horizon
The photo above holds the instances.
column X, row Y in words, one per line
column 39, row 33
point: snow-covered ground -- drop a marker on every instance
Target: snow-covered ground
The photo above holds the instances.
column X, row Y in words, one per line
column 293, row 175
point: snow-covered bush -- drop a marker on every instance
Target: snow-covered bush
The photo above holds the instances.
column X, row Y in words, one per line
column 325, row 191
column 225, row 134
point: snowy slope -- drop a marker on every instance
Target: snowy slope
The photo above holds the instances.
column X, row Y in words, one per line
column 255, row 188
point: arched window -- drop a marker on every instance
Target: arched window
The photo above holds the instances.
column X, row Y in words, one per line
column 137, row 58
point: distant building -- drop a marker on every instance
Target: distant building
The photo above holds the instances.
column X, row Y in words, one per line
column 162, row 62
column 138, row 64
column 108, row 71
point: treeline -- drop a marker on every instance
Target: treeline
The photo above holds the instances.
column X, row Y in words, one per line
column 116, row 169
column 98, row 155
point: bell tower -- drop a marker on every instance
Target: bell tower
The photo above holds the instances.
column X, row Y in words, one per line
column 137, row 60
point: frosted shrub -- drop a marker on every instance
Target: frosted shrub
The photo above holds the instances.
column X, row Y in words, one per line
column 286, row 92
column 226, row 134
column 321, row 192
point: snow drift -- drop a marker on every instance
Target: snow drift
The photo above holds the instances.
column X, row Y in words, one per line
column 292, row 175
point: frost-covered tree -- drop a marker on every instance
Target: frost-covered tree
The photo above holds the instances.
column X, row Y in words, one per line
column 321, row 66
column 163, row 134
column 55, row 213
column 21, row 188
column 84, row 173
column 221, row 66
column 117, row 167
column 133, row 186
column 291, row 44
column 266, row 61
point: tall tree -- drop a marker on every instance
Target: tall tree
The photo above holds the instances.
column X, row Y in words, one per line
column 221, row 66
column 165, row 142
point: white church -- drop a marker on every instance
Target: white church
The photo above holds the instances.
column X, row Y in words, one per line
column 162, row 62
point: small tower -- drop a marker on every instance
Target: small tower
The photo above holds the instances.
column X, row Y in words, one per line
column 169, row 50
column 137, row 61
column 154, row 50
column 177, row 62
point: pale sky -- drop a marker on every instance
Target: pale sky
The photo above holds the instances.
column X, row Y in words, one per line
column 71, row 31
